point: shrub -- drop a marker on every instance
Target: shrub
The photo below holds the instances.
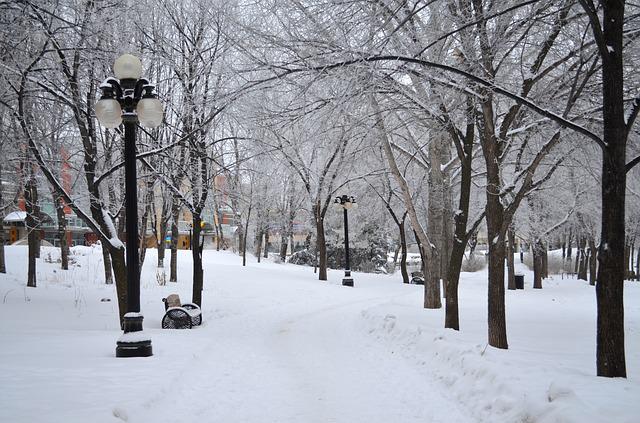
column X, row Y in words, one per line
column 474, row 263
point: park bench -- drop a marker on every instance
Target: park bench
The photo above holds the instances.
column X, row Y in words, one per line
column 417, row 278
column 178, row 315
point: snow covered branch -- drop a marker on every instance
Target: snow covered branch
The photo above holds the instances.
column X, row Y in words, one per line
column 479, row 80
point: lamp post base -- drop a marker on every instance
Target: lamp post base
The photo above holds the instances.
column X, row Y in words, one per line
column 134, row 349
column 347, row 280
column 134, row 342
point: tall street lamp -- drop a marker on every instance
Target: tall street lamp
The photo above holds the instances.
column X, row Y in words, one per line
column 130, row 99
column 345, row 203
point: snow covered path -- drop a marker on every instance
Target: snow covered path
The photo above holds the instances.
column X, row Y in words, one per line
column 304, row 361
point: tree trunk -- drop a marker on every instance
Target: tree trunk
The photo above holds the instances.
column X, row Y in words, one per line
column 217, row 221
column 144, row 223
column 576, row 265
column 284, row 242
column 62, row 231
column 196, row 254
column 31, row 225
column 610, row 281
column 243, row 240
column 321, row 246
column 435, row 217
column 631, row 264
column 637, row 265
column 3, row 268
column 460, row 218
column 511, row 267
column 258, row 243
column 537, row 264
column 240, row 233
column 119, row 266
column 160, row 243
column 494, row 212
column 627, row 256
column 266, row 243
column 107, row 265
column 544, row 258
column 175, row 234
column 403, row 251
column 582, row 268
column 593, row 263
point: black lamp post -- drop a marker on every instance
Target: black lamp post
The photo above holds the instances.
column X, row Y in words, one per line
column 345, row 203
column 130, row 99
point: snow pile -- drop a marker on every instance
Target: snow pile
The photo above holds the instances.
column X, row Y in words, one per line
column 497, row 385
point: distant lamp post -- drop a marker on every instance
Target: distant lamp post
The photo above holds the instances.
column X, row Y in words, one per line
column 130, row 99
column 345, row 203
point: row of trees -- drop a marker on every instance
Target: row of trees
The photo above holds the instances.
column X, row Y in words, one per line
column 442, row 117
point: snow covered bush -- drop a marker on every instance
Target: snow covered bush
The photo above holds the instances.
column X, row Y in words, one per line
column 303, row 257
column 474, row 263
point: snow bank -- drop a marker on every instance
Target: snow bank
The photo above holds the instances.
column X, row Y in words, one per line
column 497, row 385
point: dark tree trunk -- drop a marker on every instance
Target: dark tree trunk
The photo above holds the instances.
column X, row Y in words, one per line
column 144, row 223
column 460, row 219
column 240, row 233
column 243, row 237
column 31, row 224
column 217, row 221
column 593, row 263
column 638, row 265
column 160, row 243
column 544, row 260
column 576, row 265
column 119, row 266
column 494, row 212
column 627, row 256
column 196, row 254
column 62, row 231
column 631, row 257
column 403, row 251
column 175, row 234
column 3, row 268
column 284, row 242
column 582, row 268
column 537, row 264
column 321, row 245
column 432, row 285
column 511, row 237
column 106, row 258
column 610, row 281
column 258, row 243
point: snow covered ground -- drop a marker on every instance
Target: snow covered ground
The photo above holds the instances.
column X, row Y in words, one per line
column 277, row 345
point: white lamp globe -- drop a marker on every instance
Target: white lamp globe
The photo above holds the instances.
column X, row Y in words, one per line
column 109, row 113
column 150, row 112
column 127, row 66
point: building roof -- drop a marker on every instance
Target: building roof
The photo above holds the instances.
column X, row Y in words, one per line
column 16, row 216
column 20, row 216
